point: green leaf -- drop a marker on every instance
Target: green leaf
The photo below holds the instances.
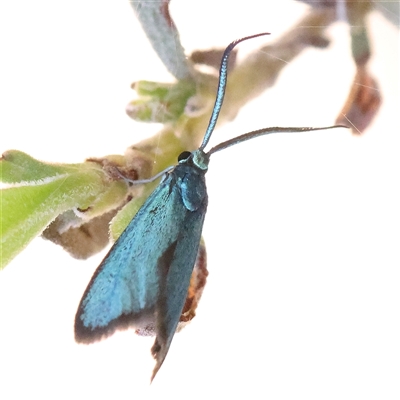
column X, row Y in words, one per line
column 160, row 102
column 40, row 193
column 18, row 167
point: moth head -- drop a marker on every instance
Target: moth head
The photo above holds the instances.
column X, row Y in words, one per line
column 196, row 158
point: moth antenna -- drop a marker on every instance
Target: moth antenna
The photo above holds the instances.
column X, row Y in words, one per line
column 266, row 131
column 223, row 74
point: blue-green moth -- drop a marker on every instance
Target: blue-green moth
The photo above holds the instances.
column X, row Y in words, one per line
column 144, row 279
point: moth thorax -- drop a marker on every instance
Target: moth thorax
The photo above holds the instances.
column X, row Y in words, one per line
column 200, row 159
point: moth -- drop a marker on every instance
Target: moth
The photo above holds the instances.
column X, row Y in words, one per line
column 143, row 281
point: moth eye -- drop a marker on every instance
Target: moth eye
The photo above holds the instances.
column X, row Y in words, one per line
column 184, row 156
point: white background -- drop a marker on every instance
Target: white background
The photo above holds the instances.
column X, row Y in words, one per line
column 302, row 230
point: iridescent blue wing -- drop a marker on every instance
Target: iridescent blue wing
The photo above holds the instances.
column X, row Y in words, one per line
column 143, row 280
